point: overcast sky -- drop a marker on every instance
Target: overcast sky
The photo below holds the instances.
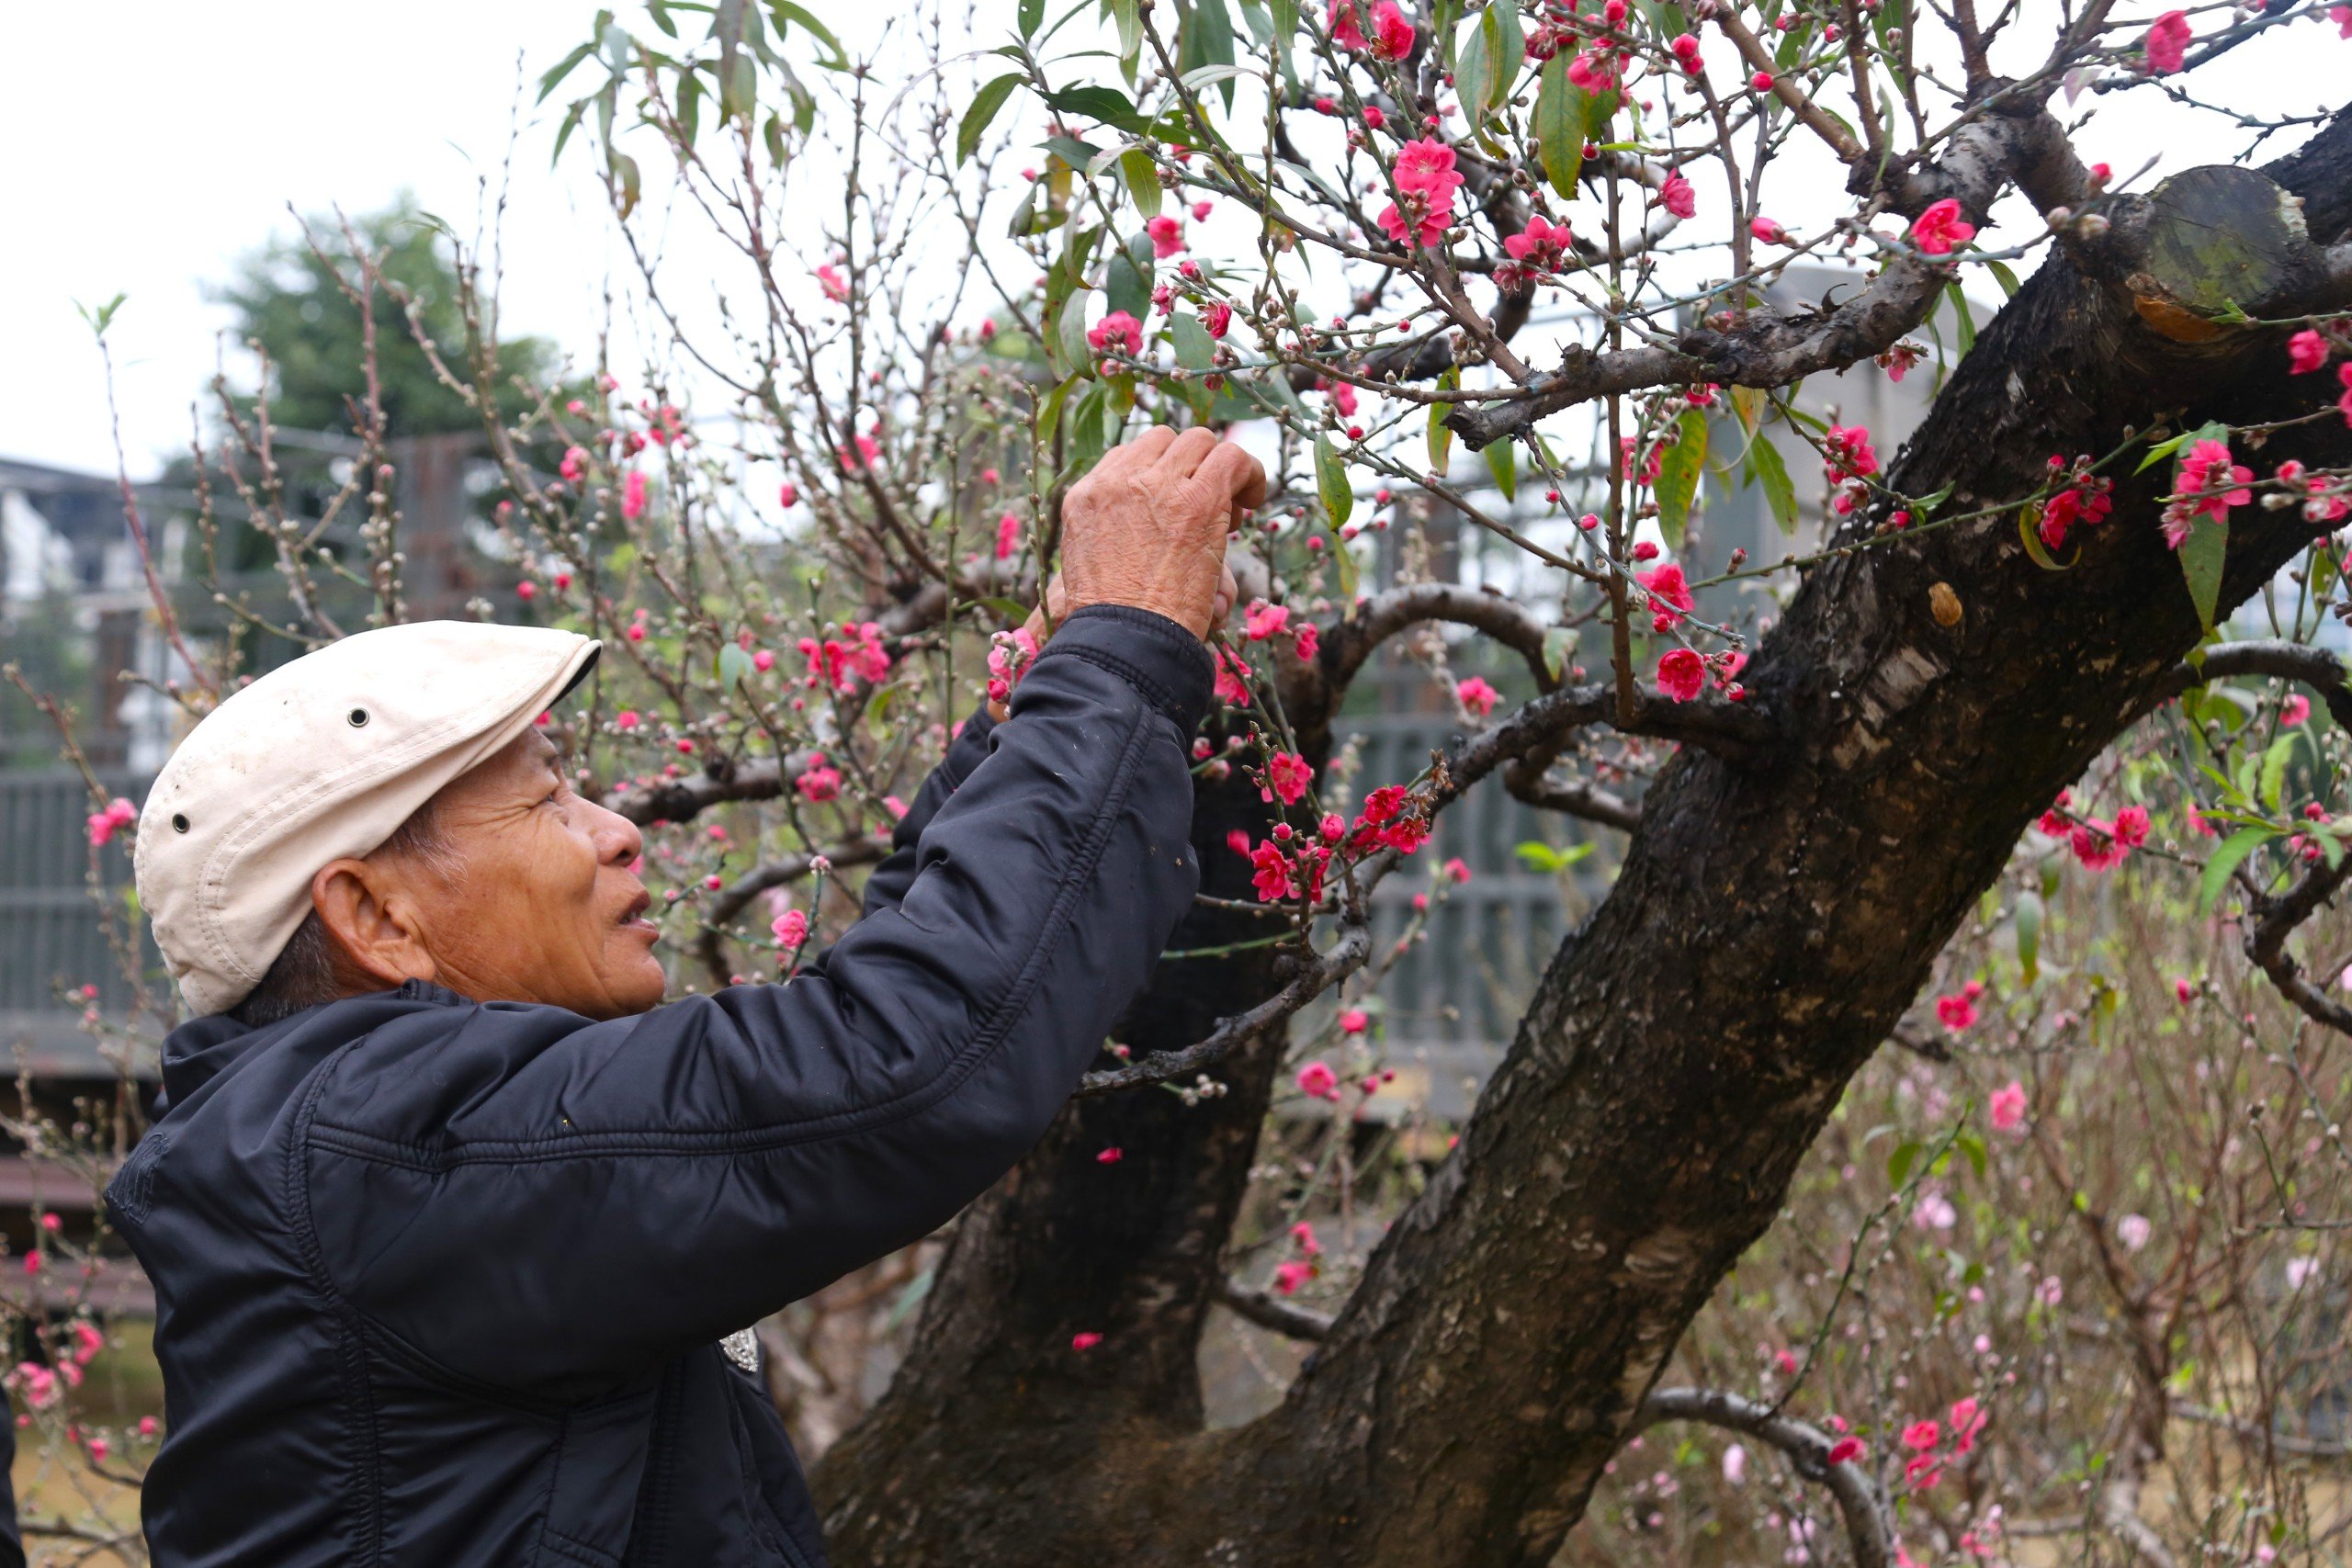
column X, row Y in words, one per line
column 148, row 160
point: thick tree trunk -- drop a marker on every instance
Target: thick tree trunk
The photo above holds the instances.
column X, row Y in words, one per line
column 1771, row 921
column 992, row 1402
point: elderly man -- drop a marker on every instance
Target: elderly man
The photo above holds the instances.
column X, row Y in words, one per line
column 455, row 1234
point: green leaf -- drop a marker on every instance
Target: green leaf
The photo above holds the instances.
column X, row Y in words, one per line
column 734, row 665
column 1678, row 476
column 563, row 132
column 1031, row 15
column 2028, row 920
column 2225, row 860
column 1077, row 154
column 909, row 1300
column 1049, row 413
column 1973, row 1146
column 1331, row 483
column 1899, row 1163
column 2274, row 768
column 1084, row 419
column 1598, row 109
column 1772, row 473
column 98, row 321
column 555, row 73
column 1106, row 106
column 2008, row 279
column 1345, row 569
column 1441, row 433
column 1967, row 322
column 1558, row 643
column 1124, row 286
column 1559, row 126
column 786, row 11
column 1195, row 350
column 2029, row 533
column 1474, row 68
column 1128, row 15
column 739, row 88
column 1540, row 856
column 1068, row 339
column 2201, row 555
column 1207, row 41
column 631, row 183
column 2158, row 451
column 1142, row 176
column 1502, row 462
column 985, row 103
column 1510, row 47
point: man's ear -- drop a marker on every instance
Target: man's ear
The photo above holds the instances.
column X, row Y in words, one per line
column 370, row 922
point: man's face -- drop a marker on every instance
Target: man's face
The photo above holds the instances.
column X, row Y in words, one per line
column 539, row 903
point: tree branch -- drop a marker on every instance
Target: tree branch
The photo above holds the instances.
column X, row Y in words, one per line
column 2275, row 921
column 1576, row 797
column 1870, row 1520
column 1374, row 621
column 773, row 874
column 2322, row 671
column 1267, row 1312
column 1773, row 349
column 1343, row 958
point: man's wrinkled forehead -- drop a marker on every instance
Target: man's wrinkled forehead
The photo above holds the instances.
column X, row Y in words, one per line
column 526, row 762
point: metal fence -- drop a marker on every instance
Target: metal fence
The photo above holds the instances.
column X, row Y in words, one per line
column 51, row 934
column 1451, row 1002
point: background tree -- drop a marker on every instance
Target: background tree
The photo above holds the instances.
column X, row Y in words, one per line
column 294, row 307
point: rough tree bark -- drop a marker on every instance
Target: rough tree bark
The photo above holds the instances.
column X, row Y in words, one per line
column 1773, row 919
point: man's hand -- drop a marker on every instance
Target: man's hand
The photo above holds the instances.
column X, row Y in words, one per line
column 1147, row 527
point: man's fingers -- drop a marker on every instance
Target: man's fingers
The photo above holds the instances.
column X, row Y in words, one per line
column 1186, row 453
column 1142, row 452
column 1228, row 594
column 1231, row 473
column 1146, row 449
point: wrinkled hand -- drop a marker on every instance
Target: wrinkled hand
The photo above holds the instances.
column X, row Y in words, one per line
column 1147, row 527
column 1047, row 615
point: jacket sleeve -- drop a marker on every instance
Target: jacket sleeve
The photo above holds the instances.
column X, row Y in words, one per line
column 886, row 885
column 538, row 1201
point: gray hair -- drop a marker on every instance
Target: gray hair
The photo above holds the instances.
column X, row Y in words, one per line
column 303, row 973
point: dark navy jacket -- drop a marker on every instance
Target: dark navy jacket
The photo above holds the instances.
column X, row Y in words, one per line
column 440, row 1283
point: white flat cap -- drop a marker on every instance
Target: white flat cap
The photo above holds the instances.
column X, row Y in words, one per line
column 322, row 759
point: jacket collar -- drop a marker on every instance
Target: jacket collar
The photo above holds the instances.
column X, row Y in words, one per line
column 202, row 1049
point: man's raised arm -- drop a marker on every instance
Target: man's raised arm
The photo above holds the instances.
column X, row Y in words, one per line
column 720, row 1156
